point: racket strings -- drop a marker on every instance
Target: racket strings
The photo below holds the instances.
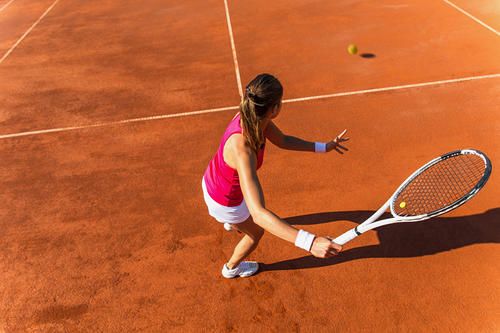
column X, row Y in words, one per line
column 440, row 185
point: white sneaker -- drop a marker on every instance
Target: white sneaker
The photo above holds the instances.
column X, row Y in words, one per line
column 228, row 227
column 244, row 269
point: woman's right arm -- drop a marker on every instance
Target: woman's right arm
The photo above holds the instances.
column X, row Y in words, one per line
column 246, row 165
column 246, row 162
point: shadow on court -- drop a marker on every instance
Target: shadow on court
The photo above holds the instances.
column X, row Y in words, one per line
column 367, row 55
column 402, row 240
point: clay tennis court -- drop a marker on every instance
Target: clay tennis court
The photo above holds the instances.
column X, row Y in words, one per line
column 111, row 110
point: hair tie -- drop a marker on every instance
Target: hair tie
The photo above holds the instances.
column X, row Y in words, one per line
column 249, row 93
column 251, row 97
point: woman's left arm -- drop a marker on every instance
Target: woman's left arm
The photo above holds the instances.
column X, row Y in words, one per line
column 274, row 134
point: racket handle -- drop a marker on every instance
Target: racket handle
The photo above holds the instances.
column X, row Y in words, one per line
column 345, row 237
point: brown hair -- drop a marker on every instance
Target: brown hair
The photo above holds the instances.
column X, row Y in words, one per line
column 262, row 94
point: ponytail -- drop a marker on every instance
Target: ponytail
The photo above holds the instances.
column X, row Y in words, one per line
column 262, row 94
column 251, row 124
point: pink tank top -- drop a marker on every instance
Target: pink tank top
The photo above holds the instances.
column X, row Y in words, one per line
column 222, row 181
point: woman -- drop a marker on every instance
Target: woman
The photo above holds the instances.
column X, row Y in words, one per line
column 231, row 187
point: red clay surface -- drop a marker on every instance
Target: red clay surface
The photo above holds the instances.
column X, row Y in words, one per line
column 105, row 229
column 104, row 61
column 305, row 45
column 486, row 11
column 18, row 17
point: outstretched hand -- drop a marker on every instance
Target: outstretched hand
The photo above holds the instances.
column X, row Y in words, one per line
column 335, row 143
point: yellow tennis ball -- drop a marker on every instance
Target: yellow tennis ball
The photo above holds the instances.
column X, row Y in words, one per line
column 352, row 49
column 402, row 204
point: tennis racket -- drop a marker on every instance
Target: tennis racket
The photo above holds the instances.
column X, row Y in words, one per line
column 438, row 187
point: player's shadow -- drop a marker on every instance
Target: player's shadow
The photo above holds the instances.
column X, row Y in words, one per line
column 401, row 240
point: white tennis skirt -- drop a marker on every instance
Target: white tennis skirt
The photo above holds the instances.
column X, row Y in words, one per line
column 224, row 214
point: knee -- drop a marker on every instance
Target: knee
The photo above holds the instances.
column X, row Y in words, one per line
column 257, row 235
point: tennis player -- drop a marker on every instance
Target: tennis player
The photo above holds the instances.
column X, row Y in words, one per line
column 232, row 190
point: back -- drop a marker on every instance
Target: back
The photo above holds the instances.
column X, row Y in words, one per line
column 222, row 181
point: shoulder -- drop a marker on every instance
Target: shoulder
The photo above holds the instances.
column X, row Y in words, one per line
column 240, row 150
column 238, row 144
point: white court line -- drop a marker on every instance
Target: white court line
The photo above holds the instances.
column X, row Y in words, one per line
column 6, row 5
column 406, row 86
column 27, row 32
column 183, row 114
column 233, row 47
column 119, row 122
column 472, row 17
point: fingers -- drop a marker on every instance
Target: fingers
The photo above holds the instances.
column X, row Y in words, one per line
column 333, row 250
column 336, row 143
column 335, row 246
column 338, row 148
column 331, row 253
column 325, row 248
column 342, row 134
column 339, row 138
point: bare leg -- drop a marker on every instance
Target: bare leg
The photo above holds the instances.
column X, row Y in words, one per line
column 253, row 234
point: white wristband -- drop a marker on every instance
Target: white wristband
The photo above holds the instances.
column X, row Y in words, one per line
column 320, row 147
column 304, row 240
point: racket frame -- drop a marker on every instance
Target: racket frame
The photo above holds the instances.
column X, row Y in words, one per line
column 370, row 223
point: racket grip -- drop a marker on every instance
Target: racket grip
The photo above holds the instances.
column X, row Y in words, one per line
column 345, row 237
